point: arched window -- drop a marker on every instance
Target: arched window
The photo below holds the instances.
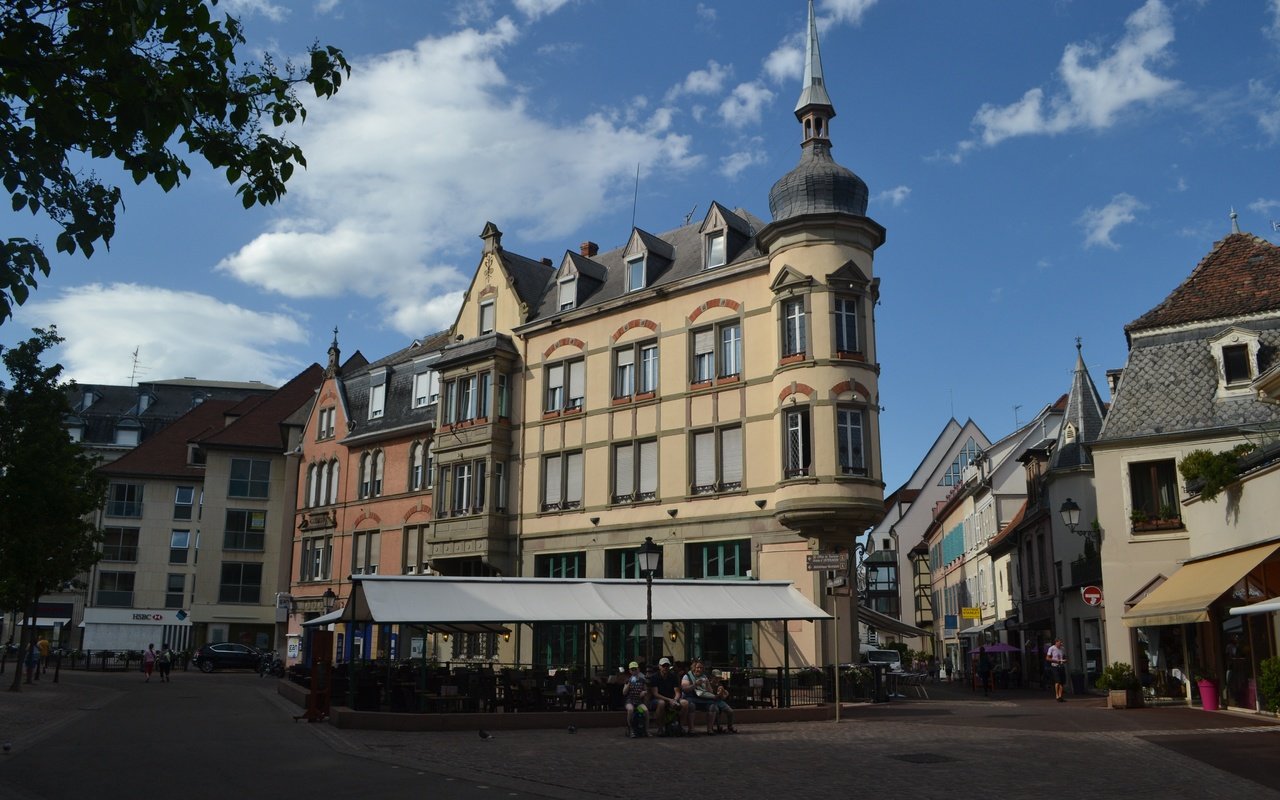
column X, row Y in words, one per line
column 332, row 472
column 416, row 463
column 379, row 460
column 366, row 474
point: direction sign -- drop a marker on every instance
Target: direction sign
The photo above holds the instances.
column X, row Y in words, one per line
column 820, row 561
column 1092, row 595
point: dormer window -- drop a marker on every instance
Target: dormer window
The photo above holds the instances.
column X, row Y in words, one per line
column 1236, row 352
column 426, row 384
column 635, row 274
column 486, row 317
column 715, row 250
column 128, row 433
column 568, row 292
column 144, row 402
column 377, row 394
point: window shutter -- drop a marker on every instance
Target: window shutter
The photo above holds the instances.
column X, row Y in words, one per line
column 375, row 551
column 551, row 480
column 704, row 459
column 623, row 469
column 577, row 380
column 568, row 293
column 731, row 455
column 573, row 478
column 626, row 357
column 648, row 467
column 704, row 342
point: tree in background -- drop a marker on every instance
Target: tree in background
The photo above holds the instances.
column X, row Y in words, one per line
column 128, row 81
column 49, row 488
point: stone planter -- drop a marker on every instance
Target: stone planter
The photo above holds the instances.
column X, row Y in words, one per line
column 1124, row 698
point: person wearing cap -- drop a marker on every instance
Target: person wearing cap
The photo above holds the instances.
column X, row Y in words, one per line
column 665, row 695
column 635, row 692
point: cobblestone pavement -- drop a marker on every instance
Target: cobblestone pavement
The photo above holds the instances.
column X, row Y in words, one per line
column 955, row 745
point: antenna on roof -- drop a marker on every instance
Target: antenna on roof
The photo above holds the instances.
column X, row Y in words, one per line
column 1015, row 416
column 689, row 216
column 1275, row 225
column 133, row 375
column 636, row 196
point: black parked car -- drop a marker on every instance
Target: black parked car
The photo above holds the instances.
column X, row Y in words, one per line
column 226, row 655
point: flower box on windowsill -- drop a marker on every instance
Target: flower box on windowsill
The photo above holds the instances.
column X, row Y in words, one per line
column 550, row 414
column 725, row 379
column 697, row 385
column 1148, row 525
column 621, row 401
column 794, row 358
column 574, row 410
column 848, row 356
column 640, row 398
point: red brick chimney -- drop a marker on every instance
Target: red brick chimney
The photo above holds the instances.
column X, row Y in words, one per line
column 588, row 249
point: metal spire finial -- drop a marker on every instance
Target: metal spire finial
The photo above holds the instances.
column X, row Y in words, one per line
column 815, row 90
column 1235, row 226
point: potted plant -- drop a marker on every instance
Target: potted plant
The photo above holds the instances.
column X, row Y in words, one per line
column 1122, row 686
column 1209, row 473
column 1207, row 685
column 1269, row 684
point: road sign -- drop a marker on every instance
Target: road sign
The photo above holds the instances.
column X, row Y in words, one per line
column 970, row 612
column 820, row 561
column 1092, row 595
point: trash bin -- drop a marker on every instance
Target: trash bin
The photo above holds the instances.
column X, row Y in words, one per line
column 1077, row 683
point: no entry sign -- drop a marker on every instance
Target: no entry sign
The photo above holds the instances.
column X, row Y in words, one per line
column 1092, row 595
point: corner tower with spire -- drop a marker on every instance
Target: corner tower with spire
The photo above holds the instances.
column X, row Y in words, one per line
column 820, row 246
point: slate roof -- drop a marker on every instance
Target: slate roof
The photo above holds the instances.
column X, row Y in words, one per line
column 165, row 454
column 170, row 400
column 398, row 411
column 1085, row 412
column 1240, row 276
column 259, row 426
column 682, row 245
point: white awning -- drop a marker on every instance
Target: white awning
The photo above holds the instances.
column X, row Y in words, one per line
column 441, row 600
column 1260, row 607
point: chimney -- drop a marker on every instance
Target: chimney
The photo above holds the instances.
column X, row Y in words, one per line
column 589, row 249
column 546, row 261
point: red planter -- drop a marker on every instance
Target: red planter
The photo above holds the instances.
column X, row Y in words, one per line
column 1208, row 695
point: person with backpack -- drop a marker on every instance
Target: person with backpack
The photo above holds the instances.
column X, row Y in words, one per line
column 164, row 662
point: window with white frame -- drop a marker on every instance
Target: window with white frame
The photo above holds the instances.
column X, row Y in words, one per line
column 717, row 351
column 715, row 252
column 796, row 448
column 845, row 310
column 426, row 386
column 500, row 486
column 462, row 486
column 184, row 500
column 465, row 398
column 430, row 470
column 717, row 460
column 794, row 327
column 179, row 546
column 317, row 557
column 366, row 552
column 371, row 466
column 417, row 465
column 562, row 481
column 849, row 441
column 377, row 394
column 635, row 471
column 635, row 369
column 566, row 385
column 568, row 292
column 332, row 497
column 325, row 423
column 635, row 274
column 487, row 317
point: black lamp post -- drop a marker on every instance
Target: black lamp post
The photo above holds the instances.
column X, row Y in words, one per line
column 647, row 559
column 329, row 599
column 1070, row 514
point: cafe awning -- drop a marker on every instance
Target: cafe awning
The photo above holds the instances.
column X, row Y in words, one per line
column 443, row 600
column 1187, row 595
column 884, row 622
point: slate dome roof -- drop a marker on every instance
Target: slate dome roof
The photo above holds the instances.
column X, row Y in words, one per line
column 817, row 185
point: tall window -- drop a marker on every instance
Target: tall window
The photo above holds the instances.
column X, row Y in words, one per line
column 317, row 555
column 124, row 500
column 1235, row 364
column 566, row 385
column 568, row 292
column 430, row 470
column 504, row 396
column 955, row 472
column 119, row 544
column 377, row 394
column 184, row 498
column 371, row 466
column 635, row 274
column 562, row 481
column 730, row 559
column 715, row 250
column 487, row 316
column 426, row 386
column 630, row 380
column 717, row 461
column 1153, row 488
column 366, row 552
column 115, row 589
column 794, row 336
column 179, row 545
column 240, row 583
column 796, row 450
column 250, row 477
column 500, row 486
column 717, row 351
column 462, row 485
column 849, row 441
column 417, row 465
column 325, row 423
column 635, row 472
column 846, row 324
column 245, row 530
column 560, row 565
column 175, row 588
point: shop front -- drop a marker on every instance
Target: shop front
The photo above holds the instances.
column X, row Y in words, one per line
column 118, row 629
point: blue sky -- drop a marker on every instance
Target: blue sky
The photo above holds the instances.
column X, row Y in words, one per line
column 1045, row 171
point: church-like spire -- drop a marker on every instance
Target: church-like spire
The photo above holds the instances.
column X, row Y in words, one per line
column 814, row 92
column 334, row 354
column 1082, row 419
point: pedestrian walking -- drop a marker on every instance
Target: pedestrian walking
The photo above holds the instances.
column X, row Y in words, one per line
column 164, row 662
column 984, row 670
column 149, row 661
column 1056, row 657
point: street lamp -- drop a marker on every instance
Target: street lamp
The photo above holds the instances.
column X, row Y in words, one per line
column 647, row 560
column 1070, row 514
column 329, row 599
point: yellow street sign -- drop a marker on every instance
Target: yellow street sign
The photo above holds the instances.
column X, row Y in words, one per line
column 971, row 613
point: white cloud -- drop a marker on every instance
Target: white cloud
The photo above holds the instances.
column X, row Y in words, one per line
column 748, row 154
column 1264, row 206
column 745, row 105
column 706, row 13
column 171, row 330
column 1096, row 88
column 472, row 12
column 248, row 8
column 533, row 9
column 1265, row 104
column 1273, row 30
column 894, row 197
column 702, row 81
column 786, row 62
column 441, row 133
column 1100, row 223
column 850, row 11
